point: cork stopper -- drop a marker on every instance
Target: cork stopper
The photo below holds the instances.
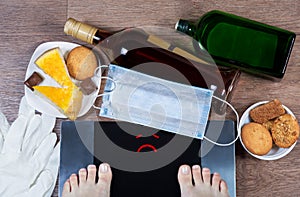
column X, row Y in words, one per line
column 80, row 30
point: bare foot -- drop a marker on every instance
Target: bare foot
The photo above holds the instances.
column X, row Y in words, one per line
column 203, row 185
column 87, row 185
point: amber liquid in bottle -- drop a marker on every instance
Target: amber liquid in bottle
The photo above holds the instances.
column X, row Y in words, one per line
column 132, row 47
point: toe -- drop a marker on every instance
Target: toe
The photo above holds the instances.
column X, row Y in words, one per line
column 216, row 181
column 206, row 175
column 82, row 175
column 105, row 176
column 73, row 182
column 224, row 188
column 66, row 189
column 185, row 177
column 91, row 175
column 197, row 174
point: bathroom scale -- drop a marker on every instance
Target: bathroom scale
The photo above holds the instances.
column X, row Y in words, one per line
column 144, row 161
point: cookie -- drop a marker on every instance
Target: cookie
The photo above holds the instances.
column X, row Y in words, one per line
column 256, row 138
column 285, row 131
column 267, row 111
column 268, row 124
column 81, row 63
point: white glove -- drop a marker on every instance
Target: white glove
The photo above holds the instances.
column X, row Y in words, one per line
column 28, row 160
column 4, row 126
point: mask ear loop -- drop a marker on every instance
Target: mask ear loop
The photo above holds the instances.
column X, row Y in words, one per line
column 107, row 78
column 99, row 68
column 237, row 125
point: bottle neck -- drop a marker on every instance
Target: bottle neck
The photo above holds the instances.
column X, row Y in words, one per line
column 101, row 35
column 186, row 27
column 85, row 32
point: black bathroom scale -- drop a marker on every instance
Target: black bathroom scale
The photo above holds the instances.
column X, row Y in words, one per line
column 144, row 161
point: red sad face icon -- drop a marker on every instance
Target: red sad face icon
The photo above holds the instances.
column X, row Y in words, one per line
column 147, row 146
column 137, row 138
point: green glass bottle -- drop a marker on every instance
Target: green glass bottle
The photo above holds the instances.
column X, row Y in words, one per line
column 239, row 42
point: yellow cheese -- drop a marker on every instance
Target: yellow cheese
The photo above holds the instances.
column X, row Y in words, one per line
column 53, row 64
column 67, row 98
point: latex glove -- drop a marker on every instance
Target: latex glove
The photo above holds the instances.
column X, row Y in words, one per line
column 4, row 126
column 28, row 160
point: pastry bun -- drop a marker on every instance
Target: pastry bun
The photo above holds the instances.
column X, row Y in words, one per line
column 81, row 63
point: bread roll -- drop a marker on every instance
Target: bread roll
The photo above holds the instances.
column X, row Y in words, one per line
column 81, row 63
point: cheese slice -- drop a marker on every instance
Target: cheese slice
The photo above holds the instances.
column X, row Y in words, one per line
column 53, row 64
column 67, row 100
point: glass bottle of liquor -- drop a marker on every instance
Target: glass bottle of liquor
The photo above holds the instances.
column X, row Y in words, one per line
column 136, row 49
column 235, row 41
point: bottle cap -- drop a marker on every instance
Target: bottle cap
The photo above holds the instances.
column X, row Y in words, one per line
column 182, row 25
column 80, row 30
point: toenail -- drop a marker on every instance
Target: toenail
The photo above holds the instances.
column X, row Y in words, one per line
column 91, row 166
column 206, row 169
column 195, row 167
column 82, row 170
column 103, row 168
column 73, row 176
column 185, row 170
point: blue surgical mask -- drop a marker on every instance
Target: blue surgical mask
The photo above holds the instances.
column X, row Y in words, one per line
column 154, row 102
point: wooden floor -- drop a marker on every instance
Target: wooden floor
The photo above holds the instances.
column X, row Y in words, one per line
column 26, row 24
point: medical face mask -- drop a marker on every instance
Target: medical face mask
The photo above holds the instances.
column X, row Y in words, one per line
column 154, row 102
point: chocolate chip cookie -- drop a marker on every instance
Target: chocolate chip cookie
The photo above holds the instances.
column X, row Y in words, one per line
column 285, row 131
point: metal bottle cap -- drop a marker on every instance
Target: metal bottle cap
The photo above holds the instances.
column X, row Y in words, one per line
column 80, row 30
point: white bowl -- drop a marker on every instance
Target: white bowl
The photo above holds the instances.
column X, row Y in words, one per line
column 275, row 152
